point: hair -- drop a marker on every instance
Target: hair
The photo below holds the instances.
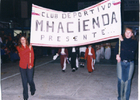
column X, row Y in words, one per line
column 132, row 37
column 19, row 43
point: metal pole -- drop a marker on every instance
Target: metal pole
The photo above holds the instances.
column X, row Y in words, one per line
column 122, row 15
column 122, row 23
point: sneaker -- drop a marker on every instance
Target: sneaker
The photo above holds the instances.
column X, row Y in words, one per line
column 73, row 70
column 63, row 70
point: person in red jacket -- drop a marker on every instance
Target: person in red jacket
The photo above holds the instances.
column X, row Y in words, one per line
column 90, row 56
column 26, row 64
column 63, row 52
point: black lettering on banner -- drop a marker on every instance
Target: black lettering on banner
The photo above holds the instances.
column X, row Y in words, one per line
column 75, row 38
column 79, row 14
column 43, row 14
column 103, row 31
column 103, row 7
column 107, row 19
column 63, row 16
column 78, row 25
column 50, row 38
column 56, row 15
column 96, row 22
column 94, row 34
column 113, row 17
column 67, row 39
column 98, row 9
column 92, row 11
column 68, row 27
column 49, row 26
column 60, row 26
column 85, row 25
column 69, row 15
column 85, row 13
column 42, row 36
column 84, row 37
column 39, row 24
column 74, row 14
column 58, row 38
column 47, row 15
column 109, row 5
column 52, row 15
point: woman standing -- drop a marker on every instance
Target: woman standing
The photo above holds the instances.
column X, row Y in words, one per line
column 125, row 63
column 26, row 64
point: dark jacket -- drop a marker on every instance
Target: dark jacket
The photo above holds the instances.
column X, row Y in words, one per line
column 128, row 49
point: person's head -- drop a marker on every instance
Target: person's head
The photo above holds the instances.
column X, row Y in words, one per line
column 23, row 41
column 128, row 33
column 90, row 46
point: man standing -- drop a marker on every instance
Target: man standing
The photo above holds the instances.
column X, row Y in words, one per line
column 63, row 52
column 74, row 55
column 90, row 56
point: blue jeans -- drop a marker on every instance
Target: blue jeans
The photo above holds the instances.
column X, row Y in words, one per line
column 27, row 77
column 124, row 73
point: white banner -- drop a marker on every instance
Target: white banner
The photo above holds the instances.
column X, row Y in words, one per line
column 96, row 23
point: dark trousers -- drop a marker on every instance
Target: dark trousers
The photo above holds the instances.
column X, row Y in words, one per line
column 27, row 77
column 73, row 60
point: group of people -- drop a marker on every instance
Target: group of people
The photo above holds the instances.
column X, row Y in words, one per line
column 125, row 53
column 71, row 56
column 8, row 47
column 103, row 51
column 77, row 56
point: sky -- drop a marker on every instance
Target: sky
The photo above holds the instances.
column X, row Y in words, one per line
column 7, row 7
column 62, row 5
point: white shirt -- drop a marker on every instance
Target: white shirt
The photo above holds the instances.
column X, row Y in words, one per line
column 63, row 51
column 89, row 51
column 73, row 49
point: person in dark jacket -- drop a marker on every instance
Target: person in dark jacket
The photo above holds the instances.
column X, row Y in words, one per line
column 73, row 56
column 125, row 63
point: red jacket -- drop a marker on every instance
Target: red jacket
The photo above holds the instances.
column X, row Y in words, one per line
column 26, row 56
column 92, row 51
column 66, row 51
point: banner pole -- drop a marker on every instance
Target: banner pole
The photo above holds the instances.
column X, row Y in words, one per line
column 122, row 23
column 119, row 47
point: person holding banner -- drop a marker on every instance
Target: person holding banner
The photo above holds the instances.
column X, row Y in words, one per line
column 26, row 64
column 63, row 52
column 74, row 55
column 90, row 56
column 125, row 55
